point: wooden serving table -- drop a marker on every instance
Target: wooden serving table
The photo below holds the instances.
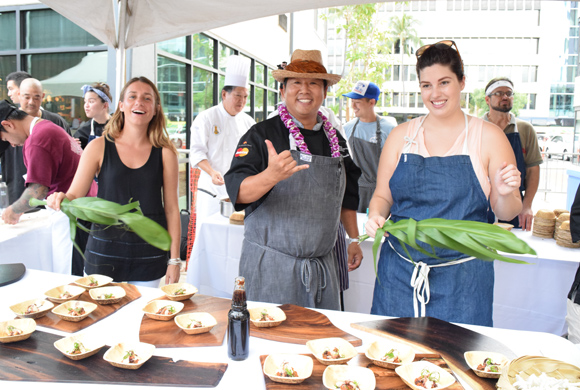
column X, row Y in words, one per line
column 124, row 325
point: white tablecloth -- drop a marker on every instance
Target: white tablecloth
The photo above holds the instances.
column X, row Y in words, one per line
column 124, row 325
column 527, row 297
column 40, row 240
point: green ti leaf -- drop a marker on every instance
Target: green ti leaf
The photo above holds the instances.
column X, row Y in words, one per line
column 478, row 239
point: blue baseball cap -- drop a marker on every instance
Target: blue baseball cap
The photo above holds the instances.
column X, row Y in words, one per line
column 364, row 89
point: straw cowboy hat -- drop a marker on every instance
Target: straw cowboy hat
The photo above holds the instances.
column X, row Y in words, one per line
column 306, row 64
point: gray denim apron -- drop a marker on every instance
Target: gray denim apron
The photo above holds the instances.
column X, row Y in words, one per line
column 287, row 253
column 366, row 156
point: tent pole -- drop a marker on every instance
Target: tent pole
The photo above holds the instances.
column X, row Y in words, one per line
column 121, row 60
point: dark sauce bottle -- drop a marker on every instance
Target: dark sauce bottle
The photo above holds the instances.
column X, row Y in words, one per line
column 239, row 323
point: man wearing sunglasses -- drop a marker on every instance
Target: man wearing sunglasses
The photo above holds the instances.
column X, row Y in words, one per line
column 499, row 96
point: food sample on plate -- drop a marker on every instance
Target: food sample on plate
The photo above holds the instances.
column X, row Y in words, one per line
column 34, row 308
column 392, row 356
column 78, row 348
column 93, row 282
column 265, row 316
column 166, row 310
column 347, row 385
column 180, row 291
column 130, row 357
column 13, row 331
column 65, row 295
column 106, row 296
column 332, row 353
column 195, row 324
column 544, row 382
column 76, row 311
column 489, row 366
column 428, row 379
column 287, row 371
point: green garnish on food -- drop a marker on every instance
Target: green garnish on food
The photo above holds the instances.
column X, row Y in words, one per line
column 179, row 291
column 390, row 354
column 108, row 296
column 289, row 372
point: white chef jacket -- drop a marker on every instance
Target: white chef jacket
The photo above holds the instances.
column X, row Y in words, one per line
column 214, row 137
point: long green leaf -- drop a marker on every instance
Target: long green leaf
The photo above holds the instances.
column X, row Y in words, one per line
column 148, row 230
column 477, row 239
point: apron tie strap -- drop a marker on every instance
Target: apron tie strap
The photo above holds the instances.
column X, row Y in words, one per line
column 420, row 280
column 420, row 284
column 306, row 274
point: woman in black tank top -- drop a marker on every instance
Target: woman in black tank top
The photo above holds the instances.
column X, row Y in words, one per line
column 134, row 160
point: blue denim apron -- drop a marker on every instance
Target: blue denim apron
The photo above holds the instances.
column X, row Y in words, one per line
column 460, row 291
column 287, row 252
column 516, row 144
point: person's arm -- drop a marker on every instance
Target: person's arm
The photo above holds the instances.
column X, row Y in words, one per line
column 89, row 166
column 199, row 132
column 354, row 251
column 216, row 177
column 280, row 167
column 531, row 184
column 381, row 202
column 505, row 178
column 171, row 206
column 11, row 215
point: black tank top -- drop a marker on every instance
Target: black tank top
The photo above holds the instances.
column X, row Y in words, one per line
column 121, row 184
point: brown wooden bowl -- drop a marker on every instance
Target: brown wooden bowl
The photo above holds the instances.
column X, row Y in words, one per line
column 99, row 294
column 62, row 310
column 88, row 346
column 153, row 307
column 54, row 294
column 26, row 325
column 170, row 291
column 116, row 353
column 303, row 365
column 318, row 346
column 20, row 308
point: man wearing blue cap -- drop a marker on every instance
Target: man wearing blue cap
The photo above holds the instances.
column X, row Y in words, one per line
column 366, row 136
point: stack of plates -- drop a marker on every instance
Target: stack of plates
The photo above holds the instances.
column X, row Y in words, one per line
column 526, row 366
column 559, row 219
column 544, row 224
column 559, row 212
column 563, row 236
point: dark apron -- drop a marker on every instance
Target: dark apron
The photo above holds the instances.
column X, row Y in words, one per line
column 516, row 144
column 366, row 156
column 287, row 253
column 435, row 187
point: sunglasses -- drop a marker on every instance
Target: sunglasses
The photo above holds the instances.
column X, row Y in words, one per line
column 445, row 44
column 500, row 94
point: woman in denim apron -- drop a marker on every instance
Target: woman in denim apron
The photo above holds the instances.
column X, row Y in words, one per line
column 433, row 167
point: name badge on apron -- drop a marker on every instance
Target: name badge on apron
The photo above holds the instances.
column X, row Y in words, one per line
column 306, row 157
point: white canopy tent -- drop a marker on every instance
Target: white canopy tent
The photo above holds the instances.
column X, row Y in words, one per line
column 124, row 24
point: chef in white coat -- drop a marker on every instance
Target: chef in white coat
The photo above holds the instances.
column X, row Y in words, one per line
column 214, row 137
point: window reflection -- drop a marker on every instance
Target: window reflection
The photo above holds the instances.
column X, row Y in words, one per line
column 7, row 66
column 62, row 75
column 203, row 49
column 259, row 105
column 7, row 28
column 46, row 28
column 225, row 52
column 172, row 85
column 177, row 46
column 202, row 90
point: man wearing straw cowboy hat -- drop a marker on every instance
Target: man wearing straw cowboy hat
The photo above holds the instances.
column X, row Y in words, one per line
column 295, row 179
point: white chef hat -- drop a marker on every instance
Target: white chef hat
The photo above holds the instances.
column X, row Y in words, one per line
column 237, row 71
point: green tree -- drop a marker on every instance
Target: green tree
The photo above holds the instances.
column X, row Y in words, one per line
column 366, row 45
column 478, row 106
column 402, row 30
